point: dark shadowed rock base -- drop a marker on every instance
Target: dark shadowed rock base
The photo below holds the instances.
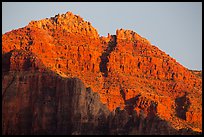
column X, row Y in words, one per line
column 45, row 103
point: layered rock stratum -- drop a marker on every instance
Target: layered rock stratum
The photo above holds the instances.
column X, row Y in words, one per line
column 60, row 77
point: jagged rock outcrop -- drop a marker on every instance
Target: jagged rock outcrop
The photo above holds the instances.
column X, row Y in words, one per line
column 127, row 72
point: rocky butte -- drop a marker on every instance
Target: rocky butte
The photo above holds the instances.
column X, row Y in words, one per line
column 60, row 77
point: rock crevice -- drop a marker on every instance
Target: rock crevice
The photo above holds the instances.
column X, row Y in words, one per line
column 105, row 55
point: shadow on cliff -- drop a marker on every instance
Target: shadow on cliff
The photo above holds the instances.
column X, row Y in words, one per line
column 6, row 61
column 182, row 106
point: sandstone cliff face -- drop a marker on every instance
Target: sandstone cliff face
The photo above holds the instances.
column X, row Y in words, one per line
column 61, row 107
column 134, row 58
column 38, row 101
column 127, row 72
column 45, row 103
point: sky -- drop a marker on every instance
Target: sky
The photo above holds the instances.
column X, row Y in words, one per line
column 175, row 28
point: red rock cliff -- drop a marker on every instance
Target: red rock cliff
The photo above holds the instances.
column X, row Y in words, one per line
column 125, row 69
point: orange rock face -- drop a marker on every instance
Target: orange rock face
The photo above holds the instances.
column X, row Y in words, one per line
column 125, row 69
